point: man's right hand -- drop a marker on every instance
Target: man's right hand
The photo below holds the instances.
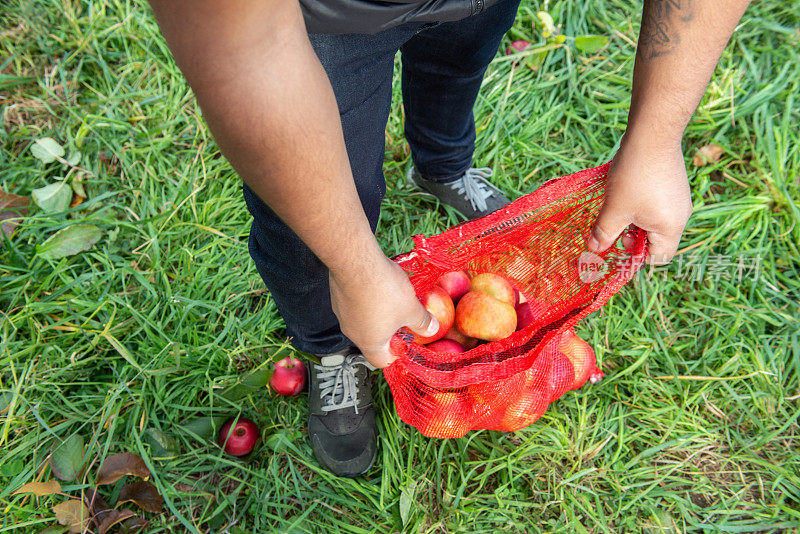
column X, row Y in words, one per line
column 372, row 302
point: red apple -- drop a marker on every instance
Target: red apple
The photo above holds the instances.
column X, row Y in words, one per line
column 484, row 317
column 582, row 357
column 456, row 283
column 524, row 315
column 440, row 305
column 289, row 376
column 238, row 437
column 562, row 375
column 494, row 285
column 527, row 407
column 467, row 342
column 446, row 414
column 446, row 346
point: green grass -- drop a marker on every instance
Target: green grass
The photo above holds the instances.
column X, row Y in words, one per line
column 694, row 429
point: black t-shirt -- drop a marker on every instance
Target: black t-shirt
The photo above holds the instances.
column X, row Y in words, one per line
column 373, row 16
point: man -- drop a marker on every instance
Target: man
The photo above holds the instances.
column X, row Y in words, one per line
column 297, row 95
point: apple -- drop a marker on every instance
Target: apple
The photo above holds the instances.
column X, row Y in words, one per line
column 582, row 357
column 494, row 285
column 440, row 305
column 446, row 346
column 524, row 315
column 562, row 375
column 289, row 376
column 484, row 317
column 467, row 342
column 445, row 414
column 238, row 437
column 527, row 407
column 456, row 283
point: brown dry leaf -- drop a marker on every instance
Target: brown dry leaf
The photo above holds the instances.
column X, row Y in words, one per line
column 113, row 518
column 76, row 199
column 707, row 154
column 134, row 524
column 40, row 489
column 12, row 209
column 73, row 514
column 144, row 494
column 118, row 465
column 99, row 506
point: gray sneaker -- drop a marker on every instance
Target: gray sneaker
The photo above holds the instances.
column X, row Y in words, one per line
column 471, row 194
column 341, row 418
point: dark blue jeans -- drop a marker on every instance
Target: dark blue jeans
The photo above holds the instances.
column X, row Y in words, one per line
column 443, row 66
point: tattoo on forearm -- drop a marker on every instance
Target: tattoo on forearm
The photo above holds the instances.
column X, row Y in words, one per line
column 661, row 22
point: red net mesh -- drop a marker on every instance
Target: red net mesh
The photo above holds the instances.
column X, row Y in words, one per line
column 538, row 243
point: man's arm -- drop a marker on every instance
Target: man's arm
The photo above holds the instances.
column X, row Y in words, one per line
column 680, row 43
column 271, row 109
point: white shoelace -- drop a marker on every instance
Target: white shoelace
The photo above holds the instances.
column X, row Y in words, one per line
column 474, row 189
column 337, row 383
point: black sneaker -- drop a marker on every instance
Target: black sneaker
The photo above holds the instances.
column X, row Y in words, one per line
column 471, row 194
column 341, row 418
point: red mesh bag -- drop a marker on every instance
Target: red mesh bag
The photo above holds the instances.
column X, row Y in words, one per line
column 538, row 243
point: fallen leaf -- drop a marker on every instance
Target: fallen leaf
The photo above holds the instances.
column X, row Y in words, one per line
column 590, row 43
column 707, row 154
column 66, row 458
column 76, row 200
column 73, row 514
column 144, row 494
column 113, row 518
column 53, row 198
column 70, row 241
column 98, row 506
column 47, row 150
column 134, row 524
column 40, row 489
column 12, row 209
column 53, row 529
column 118, row 465
column 162, row 445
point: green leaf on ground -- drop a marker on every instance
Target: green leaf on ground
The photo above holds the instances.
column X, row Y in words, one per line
column 590, row 43
column 12, row 209
column 40, row 489
column 53, row 198
column 47, row 149
column 203, row 428
column 162, row 445
column 252, row 383
column 54, row 529
column 67, row 457
column 70, row 241
column 117, row 466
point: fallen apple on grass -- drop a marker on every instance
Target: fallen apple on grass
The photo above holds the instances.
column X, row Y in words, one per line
column 289, row 376
column 238, row 437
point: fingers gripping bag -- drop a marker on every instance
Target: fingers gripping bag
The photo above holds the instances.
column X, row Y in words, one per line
column 538, row 244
